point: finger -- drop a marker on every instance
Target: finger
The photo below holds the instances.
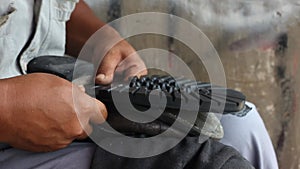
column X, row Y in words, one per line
column 107, row 67
column 141, row 73
column 81, row 87
column 111, row 61
column 132, row 66
column 88, row 129
column 135, row 72
column 129, row 49
column 99, row 114
column 104, row 79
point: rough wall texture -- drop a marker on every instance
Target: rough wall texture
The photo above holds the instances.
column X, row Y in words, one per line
column 266, row 73
column 285, row 71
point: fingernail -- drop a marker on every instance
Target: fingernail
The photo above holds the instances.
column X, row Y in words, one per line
column 101, row 77
column 81, row 87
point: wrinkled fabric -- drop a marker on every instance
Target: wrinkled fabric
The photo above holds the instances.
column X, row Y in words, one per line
column 30, row 30
column 16, row 24
column 250, row 137
column 75, row 156
column 188, row 154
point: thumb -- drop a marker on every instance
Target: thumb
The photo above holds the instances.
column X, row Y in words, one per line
column 100, row 113
column 107, row 68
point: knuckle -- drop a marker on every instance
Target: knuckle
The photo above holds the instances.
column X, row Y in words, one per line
column 103, row 110
column 83, row 104
column 77, row 131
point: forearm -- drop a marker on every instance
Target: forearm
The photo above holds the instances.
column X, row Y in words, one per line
column 80, row 27
column 4, row 109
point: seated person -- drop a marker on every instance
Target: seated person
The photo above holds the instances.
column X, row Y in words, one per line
column 37, row 111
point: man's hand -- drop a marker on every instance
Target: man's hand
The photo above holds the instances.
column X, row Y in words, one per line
column 42, row 112
column 121, row 59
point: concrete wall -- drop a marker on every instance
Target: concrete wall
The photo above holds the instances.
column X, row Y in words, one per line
column 262, row 63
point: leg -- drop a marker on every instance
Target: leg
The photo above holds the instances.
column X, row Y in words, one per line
column 76, row 155
column 249, row 136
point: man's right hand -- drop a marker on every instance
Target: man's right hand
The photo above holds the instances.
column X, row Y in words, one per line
column 42, row 112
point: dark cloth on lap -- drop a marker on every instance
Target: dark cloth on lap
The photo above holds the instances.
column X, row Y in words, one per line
column 188, row 154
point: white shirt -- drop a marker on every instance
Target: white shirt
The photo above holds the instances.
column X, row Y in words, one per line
column 38, row 23
column 41, row 24
column 15, row 30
